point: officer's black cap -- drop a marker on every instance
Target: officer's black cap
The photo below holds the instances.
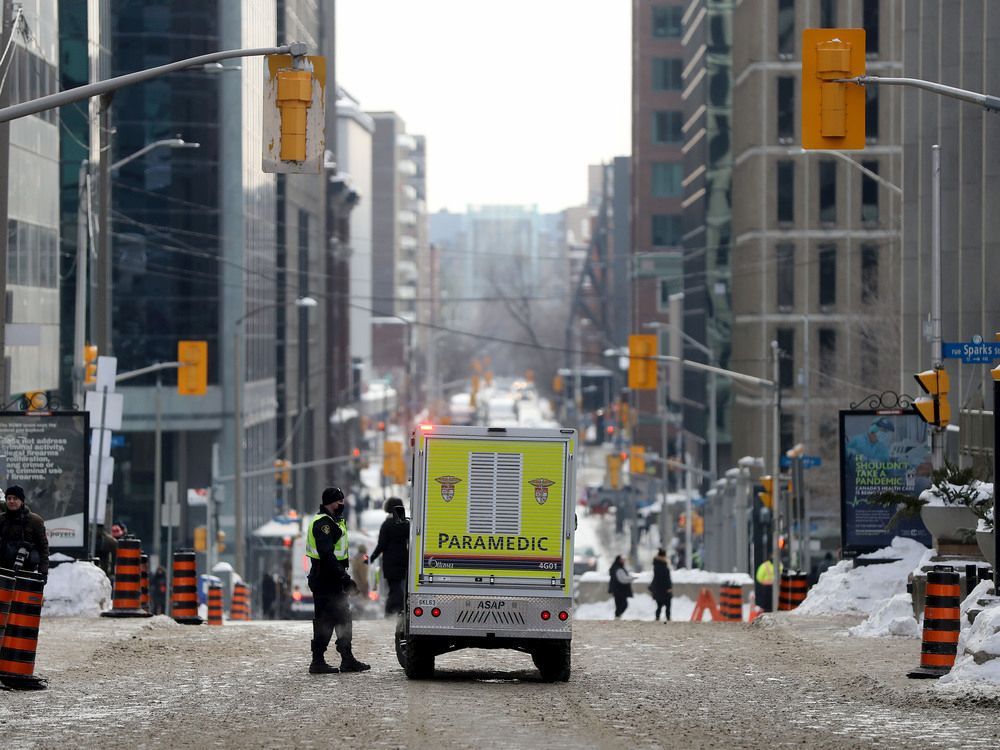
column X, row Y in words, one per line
column 332, row 495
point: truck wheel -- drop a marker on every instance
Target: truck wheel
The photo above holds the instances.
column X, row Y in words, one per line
column 401, row 641
column 553, row 661
column 419, row 661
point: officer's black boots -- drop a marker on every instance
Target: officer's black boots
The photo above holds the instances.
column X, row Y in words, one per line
column 319, row 665
column 348, row 663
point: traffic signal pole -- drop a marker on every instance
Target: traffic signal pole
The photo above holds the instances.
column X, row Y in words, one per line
column 937, row 432
column 776, row 473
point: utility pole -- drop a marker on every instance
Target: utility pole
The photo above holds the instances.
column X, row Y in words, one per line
column 776, row 473
column 7, row 39
column 937, row 433
column 102, row 292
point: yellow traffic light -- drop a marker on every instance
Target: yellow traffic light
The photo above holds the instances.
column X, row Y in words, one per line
column 200, row 539
column 767, row 496
column 90, row 364
column 192, row 375
column 833, row 114
column 614, row 470
column 294, row 113
column 283, row 472
column 557, row 384
column 637, row 459
column 934, row 409
column 294, row 97
column 642, row 363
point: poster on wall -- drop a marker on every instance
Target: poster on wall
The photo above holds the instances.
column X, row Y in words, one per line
column 880, row 451
column 46, row 454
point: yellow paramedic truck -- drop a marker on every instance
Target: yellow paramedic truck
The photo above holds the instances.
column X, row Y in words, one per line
column 491, row 546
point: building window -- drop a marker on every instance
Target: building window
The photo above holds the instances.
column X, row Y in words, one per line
column 869, row 274
column 869, row 193
column 786, row 107
column 786, row 276
column 871, row 113
column 869, row 20
column 668, row 126
column 827, row 275
column 667, row 179
column 869, row 359
column 786, row 192
column 786, row 357
column 667, row 73
column 827, row 355
column 667, row 21
column 787, row 436
column 828, row 192
column 666, row 230
column 828, row 15
column 786, row 28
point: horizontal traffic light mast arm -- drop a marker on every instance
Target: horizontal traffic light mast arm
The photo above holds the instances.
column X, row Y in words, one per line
column 673, row 463
column 146, row 370
column 695, row 365
column 296, row 49
column 987, row 102
column 290, row 467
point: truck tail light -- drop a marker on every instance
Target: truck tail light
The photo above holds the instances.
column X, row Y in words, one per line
column 436, row 612
column 564, row 616
column 418, row 611
column 546, row 614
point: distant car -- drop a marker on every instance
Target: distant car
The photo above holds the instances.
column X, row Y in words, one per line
column 584, row 561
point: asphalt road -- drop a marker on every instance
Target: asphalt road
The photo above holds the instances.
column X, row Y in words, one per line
column 782, row 682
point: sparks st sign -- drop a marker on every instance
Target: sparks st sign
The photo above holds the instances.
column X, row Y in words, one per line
column 972, row 352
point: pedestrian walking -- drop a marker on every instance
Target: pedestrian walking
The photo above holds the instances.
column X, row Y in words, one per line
column 159, row 587
column 620, row 585
column 22, row 535
column 268, row 595
column 662, row 587
column 330, row 583
column 359, row 572
column 393, row 542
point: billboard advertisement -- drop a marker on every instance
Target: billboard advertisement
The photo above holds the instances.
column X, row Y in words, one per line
column 46, row 453
column 881, row 451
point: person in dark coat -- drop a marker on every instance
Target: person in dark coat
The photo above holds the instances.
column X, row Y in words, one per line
column 662, row 587
column 620, row 585
column 393, row 543
column 159, row 590
column 22, row 529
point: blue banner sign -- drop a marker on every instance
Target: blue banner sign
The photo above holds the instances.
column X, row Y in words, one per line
column 976, row 351
column 808, row 462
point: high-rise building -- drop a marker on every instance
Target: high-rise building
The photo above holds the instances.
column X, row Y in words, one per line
column 657, row 187
column 810, row 233
column 708, row 165
column 952, row 43
column 31, row 343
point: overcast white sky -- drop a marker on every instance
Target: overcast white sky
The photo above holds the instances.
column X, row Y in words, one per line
column 516, row 97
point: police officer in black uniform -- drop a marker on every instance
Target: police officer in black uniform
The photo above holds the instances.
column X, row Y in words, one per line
column 330, row 583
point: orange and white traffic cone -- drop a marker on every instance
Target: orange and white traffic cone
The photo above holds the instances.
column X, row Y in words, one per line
column 127, row 595
column 20, row 634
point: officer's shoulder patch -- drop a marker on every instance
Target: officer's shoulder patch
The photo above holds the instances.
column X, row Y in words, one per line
column 325, row 528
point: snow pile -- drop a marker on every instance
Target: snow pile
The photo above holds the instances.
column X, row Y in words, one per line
column 894, row 617
column 845, row 589
column 978, row 650
column 640, row 607
column 74, row 589
column 679, row 576
column 978, row 493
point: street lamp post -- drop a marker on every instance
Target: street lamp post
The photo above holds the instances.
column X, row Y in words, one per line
column 239, row 512
column 103, row 304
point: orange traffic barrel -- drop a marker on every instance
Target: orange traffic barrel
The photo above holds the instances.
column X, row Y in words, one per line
column 240, row 609
column 144, row 581
column 184, row 591
column 6, row 595
column 20, row 634
column 731, row 602
column 794, row 587
column 942, row 624
column 215, row 604
column 127, row 594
